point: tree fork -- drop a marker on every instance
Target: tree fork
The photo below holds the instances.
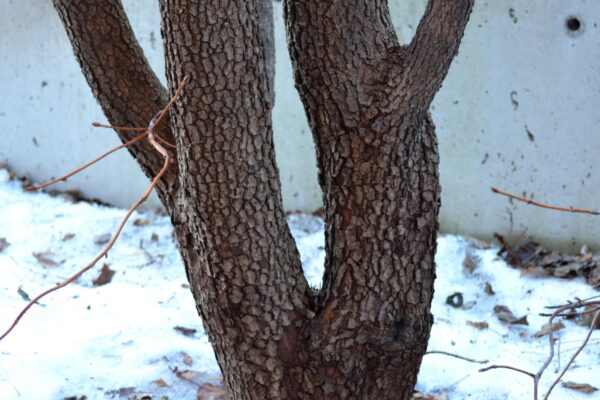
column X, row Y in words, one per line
column 366, row 97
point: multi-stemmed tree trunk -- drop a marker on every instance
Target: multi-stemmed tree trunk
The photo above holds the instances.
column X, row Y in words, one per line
column 364, row 333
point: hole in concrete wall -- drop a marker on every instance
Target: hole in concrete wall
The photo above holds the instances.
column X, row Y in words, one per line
column 574, row 25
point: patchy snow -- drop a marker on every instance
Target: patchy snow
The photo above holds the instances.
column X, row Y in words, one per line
column 118, row 340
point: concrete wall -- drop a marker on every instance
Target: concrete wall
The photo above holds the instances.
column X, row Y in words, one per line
column 518, row 111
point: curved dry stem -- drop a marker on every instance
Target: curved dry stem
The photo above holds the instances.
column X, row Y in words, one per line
column 84, row 166
column 542, row 205
column 579, row 349
column 168, row 159
column 457, row 356
column 119, row 128
column 98, row 257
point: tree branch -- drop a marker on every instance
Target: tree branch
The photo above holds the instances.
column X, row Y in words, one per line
column 433, row 48
column 542, row 205
column 116, row 70
column 167, row 161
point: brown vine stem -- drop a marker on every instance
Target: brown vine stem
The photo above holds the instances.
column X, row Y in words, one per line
column 537, row 376
column 457, row 356
column 542, row 205
column 168, row 159
column 63, row 178
column 583, row 344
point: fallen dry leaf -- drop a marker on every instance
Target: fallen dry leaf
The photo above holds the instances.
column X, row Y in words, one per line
column 45, row 258
column 187, row 359
column 478, row 325
column 106, row 275
column 154, row 238
column 469, row 262
column 546, row 329
column 580, row 387
column 505, row 315
column 185, row 331
column 68, row 237
column 534, row 260
column 141, row 222
column 160, row 382
column 588, row 316
column 488, row 289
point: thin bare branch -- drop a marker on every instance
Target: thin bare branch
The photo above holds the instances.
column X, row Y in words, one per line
column 457, row 356
column 119, row 128
column 542, row 205
column 585, row 342
column 98, row 257
column 63, row 178
column 168, row 159
column 530, row 374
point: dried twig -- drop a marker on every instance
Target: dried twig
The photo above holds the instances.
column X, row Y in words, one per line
column 585, row 341
column 559, row 310
column 168, row 159
column 63, row 178
column 542, row 205
column 457, row 356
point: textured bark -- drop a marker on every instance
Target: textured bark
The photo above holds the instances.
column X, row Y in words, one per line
column 118, row 73
column 242, row 263
column 367, row 98
column 265, row 12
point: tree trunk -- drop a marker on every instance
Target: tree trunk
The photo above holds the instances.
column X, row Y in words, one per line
column 367, row 100
column 366, row 97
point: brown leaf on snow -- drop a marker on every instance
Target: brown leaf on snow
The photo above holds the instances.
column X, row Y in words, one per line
column 161, row 383
column 469, row 262
column 45, row 258
column 505, row 315
column 210, row 391
column 488, row 289
column 534, row 260
column 105, row 276
column 546, row 329
column 68, row 237
column 141, row 222
column 187, row 375
column 588, row 316
column 478, row 325
column 187, row 359
column 185, row 331
column 580, row 387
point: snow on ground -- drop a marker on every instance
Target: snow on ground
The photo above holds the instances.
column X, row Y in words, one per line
column 118, row 340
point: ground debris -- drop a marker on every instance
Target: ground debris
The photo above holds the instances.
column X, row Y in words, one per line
column 422, row 396
column 580, row 387
column 3, row 244
column 106, row 275
column 505, row 315
column 45, row 258
column 533, row 259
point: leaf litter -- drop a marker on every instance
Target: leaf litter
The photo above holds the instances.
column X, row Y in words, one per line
column 128, row 341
